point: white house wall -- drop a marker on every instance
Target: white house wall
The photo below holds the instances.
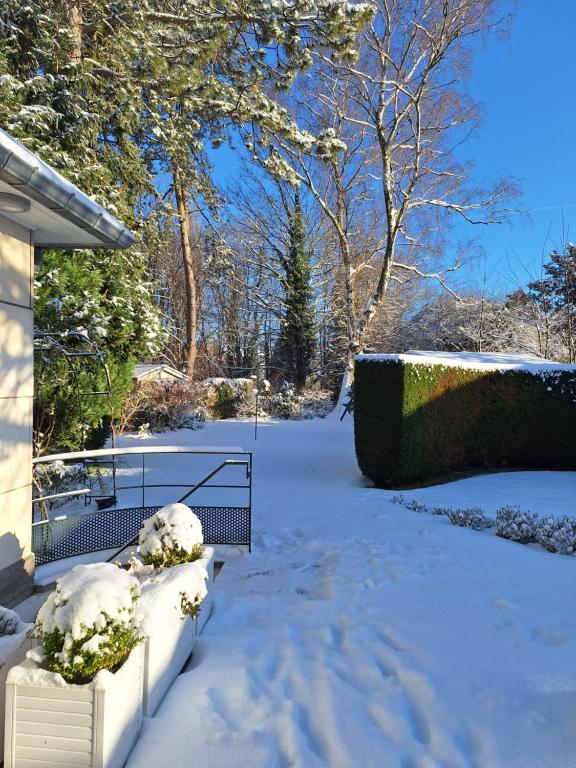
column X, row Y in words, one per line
column 16, row 398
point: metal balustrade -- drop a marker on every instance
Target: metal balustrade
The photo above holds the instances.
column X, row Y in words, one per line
column 224, row 507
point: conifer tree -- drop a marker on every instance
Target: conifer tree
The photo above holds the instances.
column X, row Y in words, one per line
column 297, row 342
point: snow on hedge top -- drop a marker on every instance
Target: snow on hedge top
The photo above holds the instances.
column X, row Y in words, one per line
column 483, row 361
column 89, row 596
column 174, row 526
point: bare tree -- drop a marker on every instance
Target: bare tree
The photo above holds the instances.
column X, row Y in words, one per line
column 388, row 125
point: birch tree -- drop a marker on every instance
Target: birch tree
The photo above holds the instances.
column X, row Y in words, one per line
column 392, row 120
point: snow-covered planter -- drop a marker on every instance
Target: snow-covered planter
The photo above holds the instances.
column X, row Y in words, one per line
column 207, row 562
column 515, row 524
column 169, row 607
column 50, row 722
column 77, row 699
column 172, row 536
column 173, row 608
column 16, row 638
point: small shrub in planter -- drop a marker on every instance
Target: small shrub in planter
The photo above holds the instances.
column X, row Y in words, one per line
column 172, row 536
column 557, row 534
column 515, row 524
column 469, row 518
column 88, row 623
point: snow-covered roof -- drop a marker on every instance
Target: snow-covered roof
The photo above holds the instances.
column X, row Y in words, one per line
column 143, row 370
column 60, row 214
column 489, row 361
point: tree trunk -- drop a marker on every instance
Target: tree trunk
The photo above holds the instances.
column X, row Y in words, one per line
column 74, row 14
column 189, row 272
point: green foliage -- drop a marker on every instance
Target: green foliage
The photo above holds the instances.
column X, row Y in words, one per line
column 166, row 558
column 118, row 641
column 105, row 298
column 296, row 345
column 229, row 398
column 418, row 422
column 190, row 607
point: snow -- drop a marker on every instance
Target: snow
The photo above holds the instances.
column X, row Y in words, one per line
column 359, row 633
column 162, row 592
column 475, row 361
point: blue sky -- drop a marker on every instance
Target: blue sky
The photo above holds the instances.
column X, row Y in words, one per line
column 526, row 83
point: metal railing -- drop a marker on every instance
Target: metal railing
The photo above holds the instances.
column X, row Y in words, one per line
column 128, row 485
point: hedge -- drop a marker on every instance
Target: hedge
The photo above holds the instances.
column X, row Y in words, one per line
column 417, row 420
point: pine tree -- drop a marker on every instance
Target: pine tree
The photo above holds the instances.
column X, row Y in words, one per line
column 556, row 292
column 297, row 342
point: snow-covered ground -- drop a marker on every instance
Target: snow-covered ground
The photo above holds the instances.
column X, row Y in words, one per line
column 359, row 634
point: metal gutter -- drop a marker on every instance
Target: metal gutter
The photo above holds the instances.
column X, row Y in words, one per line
column 25, row 171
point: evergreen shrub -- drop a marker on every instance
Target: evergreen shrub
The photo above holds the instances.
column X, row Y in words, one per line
column 417, row 421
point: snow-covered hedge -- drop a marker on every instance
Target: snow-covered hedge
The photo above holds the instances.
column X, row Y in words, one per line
column 517, row 525
column 469, row 518
column 418, row 418
column 173, row 535
column 88, row 623
column 557, row 534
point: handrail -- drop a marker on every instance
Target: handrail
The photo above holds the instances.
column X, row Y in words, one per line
column 131, row 451
column 193, row 490
column 215, row 472
column 63, row 495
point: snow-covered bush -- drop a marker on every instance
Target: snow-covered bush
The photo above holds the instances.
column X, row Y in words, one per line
column 229, row 398
column 9, row 621
column 416, row 506
column 88, row 623
column 163, row 407
column 441, row 511
column 469, row 518
column 515, row 524
column 173, row 535
column 398, row 499
column 285, row 404
column 316, row 404
column 557, row 534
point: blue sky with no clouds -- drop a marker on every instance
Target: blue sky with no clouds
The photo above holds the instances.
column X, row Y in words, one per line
column 527, row 85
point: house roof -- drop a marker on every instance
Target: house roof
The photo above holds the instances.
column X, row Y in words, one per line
column 144, row 370
column 60, row 214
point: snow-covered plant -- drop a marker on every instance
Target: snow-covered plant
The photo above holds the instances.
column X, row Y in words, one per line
column 469, row 518
column 191, row 605
column 398, row 499
column 441, row 511
column 515, row 524
column 88, row 623
column 416, row 506
column 229, row 398
column 557, row 534
column 286, row 404
column 173, row 535
column 9, row 621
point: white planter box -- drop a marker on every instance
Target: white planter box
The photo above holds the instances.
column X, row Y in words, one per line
column 208, row 602
column 13, row 650
column 170, row 636
column 50, row 724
